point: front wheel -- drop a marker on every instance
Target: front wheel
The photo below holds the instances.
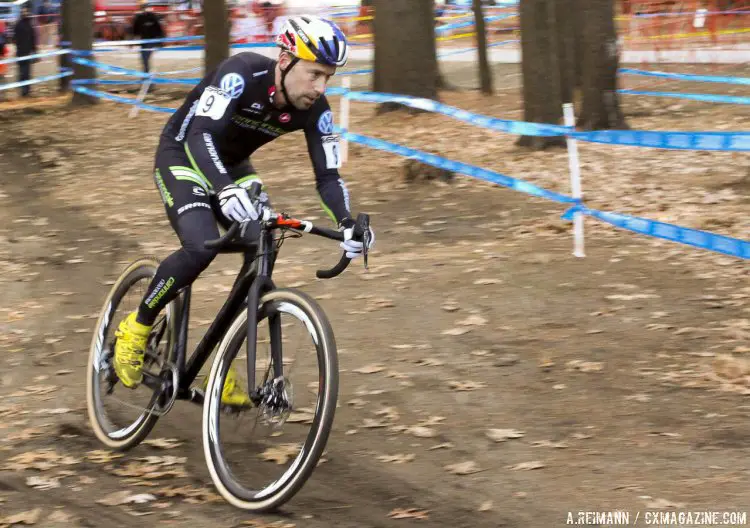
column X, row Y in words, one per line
column 261, row 463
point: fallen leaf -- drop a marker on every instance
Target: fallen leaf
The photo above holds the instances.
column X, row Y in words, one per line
column 61, row 410
column 398, row 458
column 464, row 386
column 402, row 347
column 370, row 369
column 102, row 457
column 421, row 432
column 40, row 460
column 301, row 416
column 163, row 443
column 485, row 506
column 546, row 363
column 27, row 517
column 632, row 297
column 388, row 413
column 473, row 320
column 59, row 516
column 377, row 304
column 430, row 362
column 549, row 443
column 255, row 523
column 411, row 513
column 119, row 498
column 501, row 435
column 456, row 331
column 585, row 366
column 166, row 460
column 731, row 368
column 527, row 466
column 660, row 504
column 42, row 483
column 431, row 421
column 357, row 403
column 463, row 468
column 150, row 468
column 281, row 454
column 369, row 423
column 189, row 493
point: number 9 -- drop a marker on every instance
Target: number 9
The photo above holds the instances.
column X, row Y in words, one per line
column 209, row 103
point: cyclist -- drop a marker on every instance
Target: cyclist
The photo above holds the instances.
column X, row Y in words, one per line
column 203, row 158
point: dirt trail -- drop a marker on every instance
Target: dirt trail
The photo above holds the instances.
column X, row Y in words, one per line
column 608, row 369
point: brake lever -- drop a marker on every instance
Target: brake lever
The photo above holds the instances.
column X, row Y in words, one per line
column 366, row 242
column 363, row 225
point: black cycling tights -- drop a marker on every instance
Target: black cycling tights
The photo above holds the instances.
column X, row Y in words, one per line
column 183, row 266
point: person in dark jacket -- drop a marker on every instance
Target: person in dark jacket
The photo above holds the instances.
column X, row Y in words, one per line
column 25, row 38
column 146, row 25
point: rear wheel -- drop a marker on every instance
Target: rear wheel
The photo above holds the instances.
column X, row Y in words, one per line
column 259, row 458
column 120, row 417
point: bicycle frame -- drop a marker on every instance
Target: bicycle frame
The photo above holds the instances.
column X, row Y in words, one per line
column 252, row 281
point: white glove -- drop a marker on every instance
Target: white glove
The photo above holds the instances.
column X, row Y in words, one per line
column 353, row 247
column 236, row 204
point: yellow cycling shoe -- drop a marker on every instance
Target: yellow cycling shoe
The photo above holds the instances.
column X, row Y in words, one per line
column 130, row 347
column 232, row 394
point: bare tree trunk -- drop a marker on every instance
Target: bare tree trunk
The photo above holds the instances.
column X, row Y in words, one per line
column 216, row 25
column 65, row 62
column 485, row 73
column 568, row 26
column 599, row 59
column 405, row 55
column 540, row 67
column 82, row 36
column 569, row 45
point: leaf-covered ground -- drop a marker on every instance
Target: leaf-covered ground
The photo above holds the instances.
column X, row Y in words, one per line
column 488, row 377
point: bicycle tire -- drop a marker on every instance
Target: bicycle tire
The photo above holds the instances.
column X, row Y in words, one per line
column 264, row 500
column 124, row 438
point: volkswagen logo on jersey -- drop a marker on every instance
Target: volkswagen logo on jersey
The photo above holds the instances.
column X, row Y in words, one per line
column 325, row 123
column 232, row 84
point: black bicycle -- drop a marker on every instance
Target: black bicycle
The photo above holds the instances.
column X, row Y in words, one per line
column 253, row 473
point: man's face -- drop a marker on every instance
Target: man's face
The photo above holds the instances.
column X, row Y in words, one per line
column 306, row 81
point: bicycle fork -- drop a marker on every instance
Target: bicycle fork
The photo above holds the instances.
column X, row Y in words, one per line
column 261, row 285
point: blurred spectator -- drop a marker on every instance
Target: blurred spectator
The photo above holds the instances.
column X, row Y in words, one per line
column 46, row 23
column 146, row 25
column 3, row 55
column 25, row 38
column 269, row 11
